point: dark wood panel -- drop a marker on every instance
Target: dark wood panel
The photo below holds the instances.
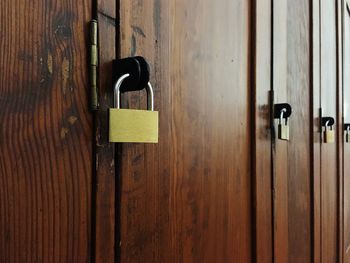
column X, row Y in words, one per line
column 46, row 132
column 188, row 199
column 262, row 133
column 292, row 159
column 105, row 177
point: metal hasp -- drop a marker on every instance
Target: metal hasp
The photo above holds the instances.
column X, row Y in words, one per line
column 328, row 132
column 93, row 64
column 282, row 112
column 130, row 125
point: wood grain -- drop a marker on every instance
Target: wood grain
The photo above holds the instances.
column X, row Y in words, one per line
column 105, row 174
column 316, row 134
column 45, row 132
column 188, row 199
column 280, row 148
column 262, row 133
column 292, row 159
column 329, row 169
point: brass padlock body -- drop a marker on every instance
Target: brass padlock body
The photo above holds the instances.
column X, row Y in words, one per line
column 329, row 136
column 347, row 137
column 283, row 132
column 134, row 126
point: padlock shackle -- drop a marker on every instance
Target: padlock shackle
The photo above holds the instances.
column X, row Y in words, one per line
column 150, row 97
column 149, row 88
column 282, row 113
column 117, row 86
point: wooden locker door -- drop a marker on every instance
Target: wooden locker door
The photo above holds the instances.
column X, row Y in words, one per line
column 189, row 198
column 328, row 189
column 346, row 119
column 45, row 132
column 327, row 100
column 262, row 164
column 292, row 174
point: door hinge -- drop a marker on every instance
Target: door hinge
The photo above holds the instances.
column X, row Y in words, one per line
column 93, row 64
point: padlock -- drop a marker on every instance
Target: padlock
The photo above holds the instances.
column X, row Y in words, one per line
column 328, row 133
column 283, row 128
column 129, row 125
column 347, row 133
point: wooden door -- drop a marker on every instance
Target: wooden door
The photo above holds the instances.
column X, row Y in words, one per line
column 346, row 119
column 45, row 132
column 327, row 102
column 189, row 198
column 292, row 173
column 328, row 77
column 218, row 187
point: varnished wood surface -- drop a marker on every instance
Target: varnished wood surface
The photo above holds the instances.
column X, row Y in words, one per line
column 105, row 210
column 346, row 119
column 261, row 139
column 292, row 159
column 189, row 198
column 45, row 132
column 280, row 150
column 203, row 194
column 329, row 169
column 316, row 135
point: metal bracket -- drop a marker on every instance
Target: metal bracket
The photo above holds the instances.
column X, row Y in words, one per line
column 137, row 68
column 327, row 121
column 277, row 109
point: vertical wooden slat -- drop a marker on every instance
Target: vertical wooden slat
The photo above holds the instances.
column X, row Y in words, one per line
column 188, row 199
column 280, row 148
column 316, row 138
column 329, row 151
column 45, row 132
column 262, row 133
column 292, row 159
column 105, row 177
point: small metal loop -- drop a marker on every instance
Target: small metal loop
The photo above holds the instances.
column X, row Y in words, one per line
column 348, row 129
column 150, row 97
column 326, row 124
column 117, row 90
column 150, row 94
column 281, row 114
